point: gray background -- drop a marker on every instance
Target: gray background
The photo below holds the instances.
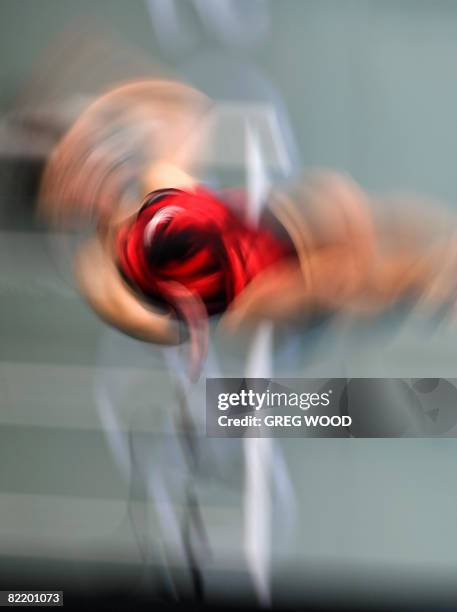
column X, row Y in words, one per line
column 370, row 87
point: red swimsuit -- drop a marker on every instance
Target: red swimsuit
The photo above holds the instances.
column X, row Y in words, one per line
column 183, row 245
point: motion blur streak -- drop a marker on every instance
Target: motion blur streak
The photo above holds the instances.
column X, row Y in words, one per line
column 269, row 108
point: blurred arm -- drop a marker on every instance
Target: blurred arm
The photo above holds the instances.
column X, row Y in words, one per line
column 104, row 289
column 283, row 292
column 107, row 294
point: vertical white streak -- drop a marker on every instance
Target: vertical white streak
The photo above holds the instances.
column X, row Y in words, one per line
column 257, row 181
column 258, row 451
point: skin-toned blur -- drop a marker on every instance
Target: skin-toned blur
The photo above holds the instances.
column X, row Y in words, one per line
column 320, row 137
column 147, row 135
